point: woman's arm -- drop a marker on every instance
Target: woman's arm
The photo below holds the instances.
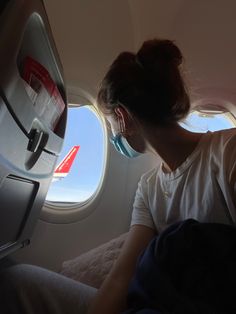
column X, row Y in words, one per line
column 111, row 297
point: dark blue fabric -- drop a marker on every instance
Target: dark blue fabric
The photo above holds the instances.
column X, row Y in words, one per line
column 189, row 268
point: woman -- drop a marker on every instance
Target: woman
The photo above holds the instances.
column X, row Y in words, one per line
column 143, row 97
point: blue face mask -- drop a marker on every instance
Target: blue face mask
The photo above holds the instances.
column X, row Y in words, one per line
column 122, row 146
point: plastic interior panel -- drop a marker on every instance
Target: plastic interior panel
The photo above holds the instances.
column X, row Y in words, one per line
column 13, row 215
column 32, row 33
column 25, row 173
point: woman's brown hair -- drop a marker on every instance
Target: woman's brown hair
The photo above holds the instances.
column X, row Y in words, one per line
column 149, row 84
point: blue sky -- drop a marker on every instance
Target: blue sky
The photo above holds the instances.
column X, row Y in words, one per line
column 84, row 129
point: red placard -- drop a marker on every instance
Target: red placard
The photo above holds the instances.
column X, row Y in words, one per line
column 43, row 92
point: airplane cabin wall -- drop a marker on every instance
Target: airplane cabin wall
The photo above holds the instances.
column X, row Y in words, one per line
column 89, row 35
column 204, row 31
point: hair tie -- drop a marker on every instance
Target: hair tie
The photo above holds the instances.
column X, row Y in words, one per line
column 138, row 62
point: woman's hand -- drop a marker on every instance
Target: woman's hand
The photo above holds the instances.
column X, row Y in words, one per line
column 111, row 297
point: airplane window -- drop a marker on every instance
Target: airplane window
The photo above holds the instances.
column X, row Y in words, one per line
column 198, row 121
column 80, row 165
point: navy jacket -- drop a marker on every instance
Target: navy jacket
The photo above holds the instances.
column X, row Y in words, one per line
column 189, row 268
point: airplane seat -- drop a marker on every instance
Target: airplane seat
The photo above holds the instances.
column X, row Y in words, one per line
column 32, row 118
column 92, row 267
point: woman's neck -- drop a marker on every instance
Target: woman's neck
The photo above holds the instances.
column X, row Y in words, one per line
column 173, row 144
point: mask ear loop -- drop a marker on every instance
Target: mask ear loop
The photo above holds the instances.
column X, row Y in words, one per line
column 121, row 126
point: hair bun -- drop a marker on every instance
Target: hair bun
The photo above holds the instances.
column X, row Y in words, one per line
column 158, row 52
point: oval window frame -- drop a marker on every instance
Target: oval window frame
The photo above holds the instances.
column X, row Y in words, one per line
column 63, row 212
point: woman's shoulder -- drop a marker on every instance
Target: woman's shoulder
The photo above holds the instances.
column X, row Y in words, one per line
column 225, row 134
column 220, row 140
column 222, row 147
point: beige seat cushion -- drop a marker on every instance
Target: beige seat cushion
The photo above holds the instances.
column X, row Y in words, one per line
column 93, row 266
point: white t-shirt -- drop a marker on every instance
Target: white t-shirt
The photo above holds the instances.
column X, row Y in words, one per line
column 203, row 187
